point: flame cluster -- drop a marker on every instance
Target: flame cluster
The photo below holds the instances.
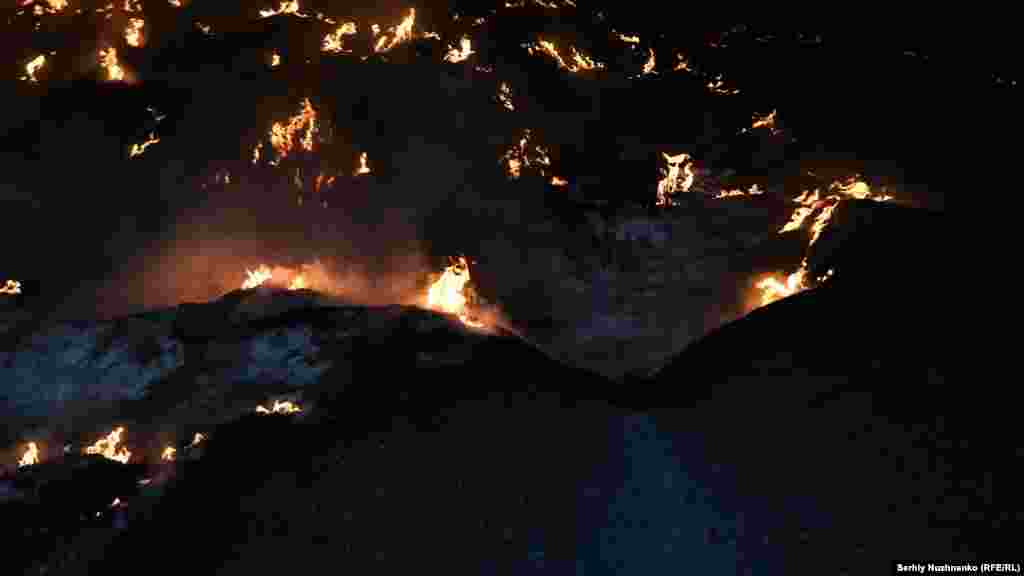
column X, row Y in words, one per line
column 580, row 62
column 521, row 156
column 460, row 54
column 280, row 407
column 296, row 132
column 33, row 66
column 334, row 42
column 108, row 447
column 11, row 288
column 110, row 63
column 264, row 275
column 133, row 33
column 30, row 457
column 398, row 34
column 138, row 149
column 678, row 178
column 446, row 294
column 754, row 190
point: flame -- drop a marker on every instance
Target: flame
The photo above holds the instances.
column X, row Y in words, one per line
column 717, row 86
column 204, row 28
column 556, row 181
column 199, row 437
column 117, row 502
column 298, row 283
column 505, row 96
column 32, row 67
column 256, row 154
column 175, row 3
column 363, row 167
column 283, row 135
column 629, row 39
column 460, row 54
column 754, row 191
column 649, row 65
column 681, row 64
column 256, row 277
column 133, row 33
column 679, row 178
column 275, row 59
column 446, row 294
column 11, row 287
column 765, row 121
column 334, row 41
column 107, row 447
column 168, row 454
column 579, row 61
column 286, row 7
column 399, row 33
column 518, row 157
column 279, row 407
column 138, row 149
column 129, row 8
column 809, row 203
column 293, row 279
column 108, row 60
column 31, row 455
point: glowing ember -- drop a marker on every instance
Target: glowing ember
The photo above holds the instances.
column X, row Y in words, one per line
column 446, row 294
column 678, row 178
column 204, row 28
column 556, row 181
column 505, row 96
column 32, row 67
column 460, row 54
column 133, row 33
column 108, row 60
column 138, row 149
column 579, row 61
column 279, row 407
column 681, row 64
column 175, row 3
column 11, row 287
column 284, row 136
column 275, row 59
column 765, row 121
column 280, row 276
column 363, row 167
column 754, row 191
column 334, row 41
column 717, row 86
column 650, row 63
column 629, row 39
column 199, row 437
column 286, row 7
column 168, row 454
column 31, row 455
column 399, row 34
column 518, row 157
column 298, row 283
column 108, row 447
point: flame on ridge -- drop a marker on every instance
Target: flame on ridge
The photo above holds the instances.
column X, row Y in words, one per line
column 446, row 293
column 30, row 457
column 169, row 454
column 108, row 447
column 279, row 407
column 138, row 149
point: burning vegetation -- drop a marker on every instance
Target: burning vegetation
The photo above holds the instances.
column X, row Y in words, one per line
column 280, row 407
column 110, row 447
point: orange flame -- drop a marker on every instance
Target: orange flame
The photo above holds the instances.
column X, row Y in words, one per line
column 109, row 62
column 678, row 178
column 175, row 3
column 629, row 39
column 773, row 290
column 275, row 59
column 505, row 96
column 754, row 191
column 32, row 67
column 280, row 407
column 446, row 294
column 293, row 279
column 681, row 64
column 286, row 7
column 168, row 454
column 334, row 41
column 30, row 457
column 462, row 53
column 199, row 437
column 556, row 181
column 284, row 135
column 363, row 167
column 650, row 63
column 256, row 277
column 138, row 149
column 399, row 33
column 107, row 447
column 11, row 287
column 579, row 61
column 133, row 33
column 518, row 157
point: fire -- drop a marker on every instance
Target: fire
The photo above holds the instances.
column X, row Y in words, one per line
column 765, row 121
column 399, row 33
column 279, row 407
column 294, row 279
column 175, row 3
column 284, row 135
column 298, row 283
column 108, row 447
column 505, row 96
column 334, row 41
column 460, row 54
column 133, row 33
column 518, row 157
column 649, row 65
column 168, row 454
column 446, row 294
column 32, row 67
column 11, row 287
column 199, row 437
column 717, row 86
column 809, row 203
column 31, row 455
column 286, row 7
column 363, row 167
column 579, row 61
column 754, row 191
column 108, row 60
column 681, row 64
column 138, row 149
column 275, row 59
column 679, row 178
column 256, row 277
column 556, row 181
column 629, row 39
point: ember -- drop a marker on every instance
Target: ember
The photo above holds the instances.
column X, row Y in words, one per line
column 108, row 447
column 30, row 457
column 11, row 287
column 199, row 437
column 138, row 149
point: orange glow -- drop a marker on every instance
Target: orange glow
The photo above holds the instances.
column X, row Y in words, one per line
column 650, row 63
column 109, row 62
column 460, row 54
column 30, row 457
column 556, row 181
column 279, row 407
column 399, row 34
column 11, row 288
column 133, row 33
column 505, row 96
column 32, row 67
column 199, row 437
column 754, row 191
column 681, row 64
column 108, row 447
column 275, row 59
column 446, row 294
column 678, row 178
column 284, row 136
column 138, row 149
column 286, row 7
column 168, row 455
column 334, row 41
column 580, row 61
